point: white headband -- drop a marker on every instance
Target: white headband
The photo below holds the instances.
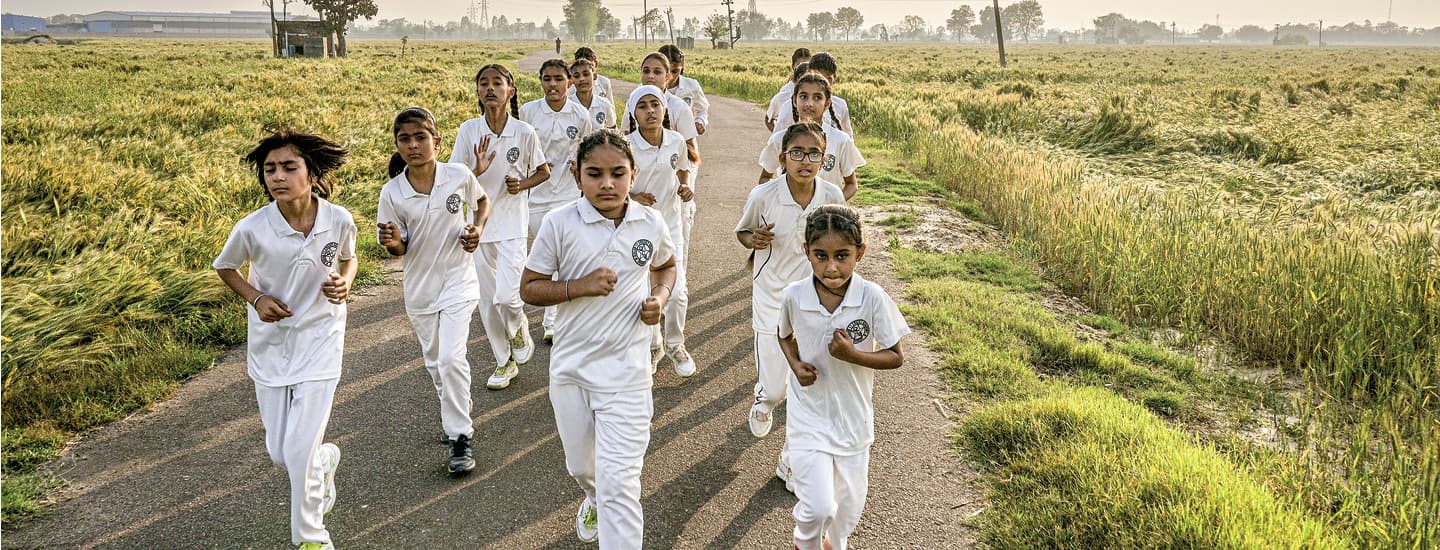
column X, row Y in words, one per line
column 641, row 92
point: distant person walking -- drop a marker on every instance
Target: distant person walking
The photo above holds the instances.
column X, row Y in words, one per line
column 557, row 45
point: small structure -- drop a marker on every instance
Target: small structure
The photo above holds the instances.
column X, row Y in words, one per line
column 235, row 23
column 302, row 38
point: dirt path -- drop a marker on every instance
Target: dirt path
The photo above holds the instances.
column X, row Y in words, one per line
column 193, row 471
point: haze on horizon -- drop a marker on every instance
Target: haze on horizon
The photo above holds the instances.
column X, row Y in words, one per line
column 1059, row 14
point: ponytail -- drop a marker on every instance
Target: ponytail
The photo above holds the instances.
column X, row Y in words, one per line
column 397, row 165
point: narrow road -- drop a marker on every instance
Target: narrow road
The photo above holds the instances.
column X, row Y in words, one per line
column 193, row 472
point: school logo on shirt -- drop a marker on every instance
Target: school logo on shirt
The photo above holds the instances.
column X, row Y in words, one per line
column 829, row 162
column 513, row 155
column 858, row 330
column 452, row 204
column 327, row 254
column 642, row 251
column 687, row 100
column 572, row 131
column 600, row 118
column 674, row 160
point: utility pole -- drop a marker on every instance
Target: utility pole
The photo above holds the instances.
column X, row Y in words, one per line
column 1322, row 33
column 999, row 34
column 1172, row 33
column 670, row 15
column 645, row 16
column 730, row 18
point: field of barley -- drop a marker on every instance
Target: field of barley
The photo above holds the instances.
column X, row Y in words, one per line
column 1285, row 201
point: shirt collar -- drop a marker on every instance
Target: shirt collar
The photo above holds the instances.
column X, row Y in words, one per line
column 508, row 130
column 641, row 143
column 589, row 214
column 282, row 228
column 854, row 296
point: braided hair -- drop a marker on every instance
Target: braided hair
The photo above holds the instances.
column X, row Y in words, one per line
column 818, row 80
column 322, row 157
column 834, row 218
column 509, row 79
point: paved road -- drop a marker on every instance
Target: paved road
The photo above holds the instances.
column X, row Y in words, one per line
column 193, row 472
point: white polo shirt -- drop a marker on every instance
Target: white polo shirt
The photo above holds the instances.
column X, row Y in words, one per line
column 292, row 266
column 438, row 270
column 655, row 171
column 836, row 414
column 689, row 90
column 517, row 154
column 682, row 119
column 602, row 111
column 784, row 261
column 602, row 87
column 600, row 343
column 842, row 157
column 839, row 106
column 560, row 133
column 779, row 100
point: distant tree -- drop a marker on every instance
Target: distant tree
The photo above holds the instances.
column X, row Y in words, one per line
column 1252, row 33
column 340, row 14
column 1023, row 18
column 691, row 26
column 1210, row 33
column 582, row 17
column 912, row 27
column 821, row 24
column 717, row 28
column 609, row 25
column 753, row 25
column 848, row 19
column 960, row 21
column 984, row 29
column 1108, row 27
column 549, row 29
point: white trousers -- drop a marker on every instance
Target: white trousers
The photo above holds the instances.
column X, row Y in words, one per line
column 831, row 489
column 499, row 265
column 605, row 436
column 773, row 372
column 678, row 307
column 295, row 417
column 443, row 336
column 537, row 215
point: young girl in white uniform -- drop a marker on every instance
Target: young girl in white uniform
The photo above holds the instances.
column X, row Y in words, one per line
column 301, row 251
column 836, row 330
column 507, row 180
column 689, row 90
column 801, row 56
column 773, row 225
column 431, row 214
column 811, row 103
column 608, row 266
column 582, row 91
column 602, row 84
column 560, row 124
column 662, row 183
column 824, row 64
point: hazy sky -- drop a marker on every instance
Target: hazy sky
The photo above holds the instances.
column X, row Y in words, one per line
column 1058, row 13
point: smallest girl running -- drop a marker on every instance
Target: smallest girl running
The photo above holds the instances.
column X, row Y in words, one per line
column 836, row 330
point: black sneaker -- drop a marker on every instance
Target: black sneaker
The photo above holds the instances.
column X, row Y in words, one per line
column 462, row 459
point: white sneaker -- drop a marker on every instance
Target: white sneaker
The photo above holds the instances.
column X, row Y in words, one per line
column 329, row 461
column 684, row 364
column 782, row 471
column 522, row 347
column 502, row 376
column 587, row 525
column 760, row 421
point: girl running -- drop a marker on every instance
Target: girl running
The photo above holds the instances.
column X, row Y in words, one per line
column 836, row 330
column 301, row 251
column 811, row 103
column 602, row 84
column 662, row 183
column 560, row 124
column 824, row 64
column 688, row 89
column 800, row 55
column 773, row 225
column 582, row 90
column 608, row 266
column 431, row 214
column 501, row 255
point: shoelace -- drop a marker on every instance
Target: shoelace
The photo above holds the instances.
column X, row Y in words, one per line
column 458, row 447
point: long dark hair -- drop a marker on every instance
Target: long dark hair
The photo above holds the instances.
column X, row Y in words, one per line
column 509, row 78
column 321, row 155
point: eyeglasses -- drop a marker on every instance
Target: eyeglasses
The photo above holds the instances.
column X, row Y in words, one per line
column 798, row 155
